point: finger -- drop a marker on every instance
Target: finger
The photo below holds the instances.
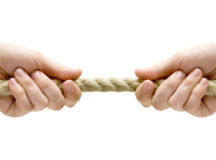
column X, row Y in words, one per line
column 181, row 95
column 161, row 69
column 72, row 93
column 166, row 89
column 5, row 103
column 50, row 90
column 22, row 105
column 57, row 70
column 144, row 93
column 194, row 101
column 37, row 98
column 209, row 108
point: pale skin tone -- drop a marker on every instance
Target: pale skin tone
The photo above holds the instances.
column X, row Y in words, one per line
column 29, row 73
column 187, row 74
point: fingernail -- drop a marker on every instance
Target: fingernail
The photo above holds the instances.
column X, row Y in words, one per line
column 180, row 74
column 13, row 82
column 35, row 75
column 20, row 72
column 146, row 88
column 196, row 72
column 203, row 81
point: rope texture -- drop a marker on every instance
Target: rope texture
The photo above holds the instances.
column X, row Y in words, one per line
column 106, row 85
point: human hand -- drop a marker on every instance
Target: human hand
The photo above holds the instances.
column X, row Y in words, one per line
column 185, row 86
column 33, row 90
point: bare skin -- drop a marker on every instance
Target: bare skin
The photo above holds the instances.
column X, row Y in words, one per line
column 29, row 73
column 184, row 89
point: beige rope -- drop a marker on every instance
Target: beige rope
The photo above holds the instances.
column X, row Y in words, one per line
column 106, row 85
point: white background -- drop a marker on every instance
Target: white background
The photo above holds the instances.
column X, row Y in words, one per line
column 107, row 39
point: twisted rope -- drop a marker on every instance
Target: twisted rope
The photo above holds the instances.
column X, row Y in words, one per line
column 107, row 85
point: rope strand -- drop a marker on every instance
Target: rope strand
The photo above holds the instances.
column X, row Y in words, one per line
column 107, row 85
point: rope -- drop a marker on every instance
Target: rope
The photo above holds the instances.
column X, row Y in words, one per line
column 107, row 85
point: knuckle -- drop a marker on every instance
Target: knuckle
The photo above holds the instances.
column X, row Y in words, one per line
column 19, row 91
column 190, row 107
column 37, row 108
column 25, row 107
column 27, row 82
column 177, row 108
column 186, row 107
column 196, row 92
column 188, row 82
column 157, row 107
column 44, row 84
column 174, row 105
column 41, row 104
column 41, row 81
column 170, row 85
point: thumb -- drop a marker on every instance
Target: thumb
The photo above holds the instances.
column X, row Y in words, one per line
column 57, row 70
column 160, row 70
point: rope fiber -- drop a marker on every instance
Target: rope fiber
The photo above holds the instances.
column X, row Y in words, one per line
column 107, row 85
